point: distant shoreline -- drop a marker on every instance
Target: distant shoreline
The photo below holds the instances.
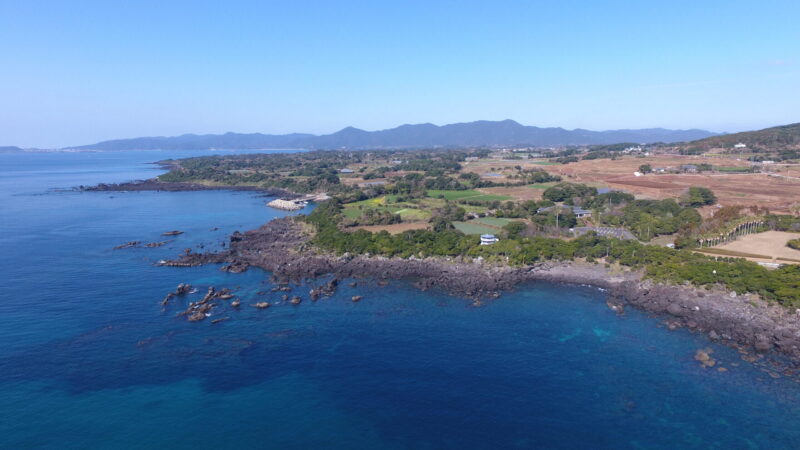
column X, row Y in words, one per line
column 155, row 185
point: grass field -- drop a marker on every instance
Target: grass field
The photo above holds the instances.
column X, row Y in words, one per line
column 498, row 222
column 468, row 194
column 352, row 213
column 408, row 211
column 413, row 214
column 473, row 228
column 452, row 195
column 372, row 202
column 732, row 169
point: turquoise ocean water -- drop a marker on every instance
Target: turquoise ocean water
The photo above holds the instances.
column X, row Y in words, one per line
column 88, row 359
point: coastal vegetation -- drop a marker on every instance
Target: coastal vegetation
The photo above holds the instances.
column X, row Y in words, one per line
column 659, row 263
column 445, row 198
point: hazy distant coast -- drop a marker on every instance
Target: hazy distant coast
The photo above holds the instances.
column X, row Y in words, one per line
column 427, row 135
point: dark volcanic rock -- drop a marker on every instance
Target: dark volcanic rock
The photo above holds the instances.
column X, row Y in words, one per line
column 156, row 244
column 127, row 245
column 675, row 309
column 281, row 248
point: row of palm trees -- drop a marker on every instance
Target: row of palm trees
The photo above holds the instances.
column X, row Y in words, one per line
column 747, row 226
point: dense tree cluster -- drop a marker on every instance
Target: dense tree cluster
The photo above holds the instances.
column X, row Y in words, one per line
column 568, row 192
column 373, row 216
column 647, row 219
column 781, row 222
column 607, row 199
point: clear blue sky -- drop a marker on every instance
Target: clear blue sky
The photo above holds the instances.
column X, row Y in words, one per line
column 78, row 72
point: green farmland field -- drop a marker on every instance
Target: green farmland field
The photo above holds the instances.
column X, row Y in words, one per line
column 473, row 228
column 467, row 195
column 498, row 222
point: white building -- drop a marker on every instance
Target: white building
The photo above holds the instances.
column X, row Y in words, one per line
column 488, row 239
column 740, row 145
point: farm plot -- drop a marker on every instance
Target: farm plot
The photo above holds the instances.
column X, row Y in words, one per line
column 467, row 195
column 497, row 222
column 473, row 228
column 409, row 212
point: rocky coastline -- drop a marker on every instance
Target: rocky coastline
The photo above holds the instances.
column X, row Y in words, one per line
column 752, row 325
column 154, row 184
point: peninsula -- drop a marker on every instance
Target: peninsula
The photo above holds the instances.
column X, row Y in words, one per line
column 648, row 223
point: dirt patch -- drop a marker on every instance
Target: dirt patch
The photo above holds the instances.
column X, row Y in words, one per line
column 770, row 243
column 778, row 193
column 393, row 228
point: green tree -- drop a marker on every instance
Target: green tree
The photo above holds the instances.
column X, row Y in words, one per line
column 699, row 196
column 514, row 229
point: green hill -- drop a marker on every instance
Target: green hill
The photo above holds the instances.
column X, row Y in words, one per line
column 785, row 137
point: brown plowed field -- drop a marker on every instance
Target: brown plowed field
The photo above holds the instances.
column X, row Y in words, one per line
column 394, row 228
column 778, row 193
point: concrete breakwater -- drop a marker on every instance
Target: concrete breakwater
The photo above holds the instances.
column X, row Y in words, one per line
column 287, row 205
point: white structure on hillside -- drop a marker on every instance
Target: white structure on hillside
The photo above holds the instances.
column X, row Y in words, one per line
column 740, row 145
column 488, row 239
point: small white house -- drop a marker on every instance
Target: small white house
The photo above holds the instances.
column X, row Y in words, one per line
column 581, row 213
column 346, row 170
column 740, row 145
column 488, row 239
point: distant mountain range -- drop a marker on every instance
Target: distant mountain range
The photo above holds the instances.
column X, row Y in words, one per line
column 472, row 134
column 10, row 149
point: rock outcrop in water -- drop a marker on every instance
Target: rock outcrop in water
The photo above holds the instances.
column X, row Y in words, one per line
column 282, row 248
column 182, row 289
column 133, row 244
column 156, row 244
column 127, row 245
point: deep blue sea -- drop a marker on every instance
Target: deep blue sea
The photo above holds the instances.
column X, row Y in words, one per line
column 88, row 358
